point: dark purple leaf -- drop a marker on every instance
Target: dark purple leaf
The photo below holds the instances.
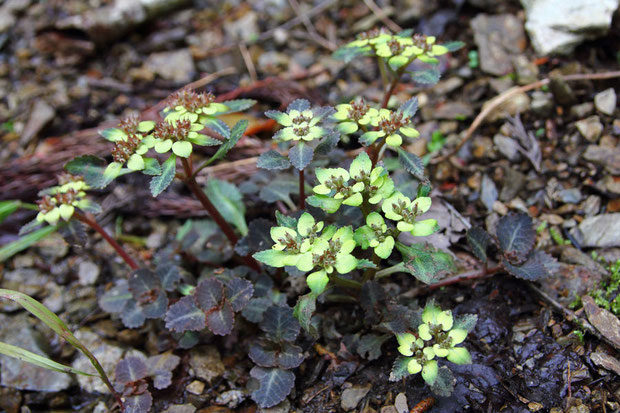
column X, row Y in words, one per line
column 538, row 265
column 263, row 353
column 239, row 291
column 144, row 285
column 157, row 308
column 184, row 315
column 221, row 320
column 479, row 240
column 132, row 315
column 372, row 299
column 516, row 236
column 169, row 276
column 160, row 369
column 130, row 369
column 209, row 293
column 138, row 404
column 275, row 385
column 370, row 345
column 279, row 323
column 305, row 307
column 290, row 356
column 256, row 308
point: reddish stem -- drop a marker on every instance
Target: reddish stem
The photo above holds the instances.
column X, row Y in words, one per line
column 469, row 275
column 302, row 191
column 191, row 183
column 117, row 247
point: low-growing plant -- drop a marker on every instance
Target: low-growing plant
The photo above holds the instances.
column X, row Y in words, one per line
column 344, row 233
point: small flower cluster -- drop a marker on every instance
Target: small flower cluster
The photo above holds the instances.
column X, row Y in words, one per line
column 312, row 246
column 301, row 122
column 399, row 50
column 372, row 184
column 189, row 105
column 436, row 337
column 60, row 201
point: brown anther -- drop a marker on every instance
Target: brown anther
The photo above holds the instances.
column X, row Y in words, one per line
column 394, row 122
column 358, row 110
column 190, row 100
column 124, row 149
column 65, row 178
column 129, row 124
column 395, row 47
column 419, row 40
column 47, row 203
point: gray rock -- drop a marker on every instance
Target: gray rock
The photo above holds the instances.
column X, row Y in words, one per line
column 88, row 272
column 17, row 374
column 599, row 231
column 7, row 20
column 108, row 355
column 507, row 147
column 513, row 182
column 352, row 396
column 542, row 103
column 518, row 103
column 557, row 26
column 582, row 110
column 570, row 195
column 611, row 184
column 605, row 101
column 244, row 28
column 53, row 246
column 231, row 398
column 40, row 115
column 606, row 361
column 527, row 70
column 592, row 205
column 498, row 38
column 606, row 157
column 177, row 66
column 206, row 363
column 488, row 192
column 180, row 408
column 590, row 128
column 453, row 110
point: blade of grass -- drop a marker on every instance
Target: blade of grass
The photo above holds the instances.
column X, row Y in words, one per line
column 12, row 248
column 7, row 208
column 55, row 323
column 33, row 358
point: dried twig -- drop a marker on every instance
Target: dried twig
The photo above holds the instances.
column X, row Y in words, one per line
column 498, row 100
column 249, row 64
column 314, row 34
column 377, row 11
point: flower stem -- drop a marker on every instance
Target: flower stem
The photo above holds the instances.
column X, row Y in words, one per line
column 302, row 191
column 370, row 273
column 390, row 270
column 383, row 72
column 191, row 183
column 117, row 247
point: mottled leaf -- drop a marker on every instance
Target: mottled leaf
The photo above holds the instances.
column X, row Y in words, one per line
column 156, row 308
column 144, row 285
column 465, row 322
column 279, row 323
column 275, row 385
column 537, row 266
column 285, row 220
column 238, row 292
column 425, row 262
column 220, row 321
column 91, row 169
column 235, row 134
column 299, row 104
column 328, row 143
column 218, row 126
column 412, row 164
column 237, row 105
column 454, row 45
column 130, row 369
column 444, row 383
column 184, row 315
column 479, row 240
column 209, row 294
column 399, row 368
column 301, row 155
column 426, row 77
column 326, row 203
column 160, row 182
column 516, row 235
column 348, row 53
column 273, row 160
column 151, row 167
column 74, row 232
column 409, row 108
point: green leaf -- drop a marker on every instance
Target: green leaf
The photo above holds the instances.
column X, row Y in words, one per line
column 55, row 323
column 160, row 182
column 348, row 53
column 275, row 384
column 454, row 46
column 324, row 202
column 37, row 360
column 465, row 322
column 12, row 248
column 91, row 168
column 301, row 155
column 151, row 167
column 273, row 258
column 409, row 108
column 285, row 220
column 272, row 160
column 228, row 200
column 426, row 263
column 305, row 307
column 7, row 208
column 238, row 105
column 235, row 135
column 412, row 164
column 479, row 241
column 218, row 126
column 426, row 77
column 516, row 235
